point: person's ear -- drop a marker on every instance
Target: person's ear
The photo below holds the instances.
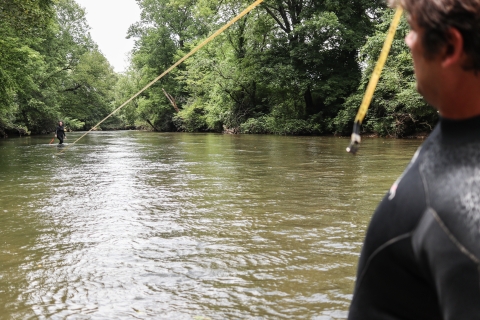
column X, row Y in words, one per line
column 453, row 53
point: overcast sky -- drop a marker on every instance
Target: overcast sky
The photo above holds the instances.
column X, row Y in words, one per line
column 109, row 21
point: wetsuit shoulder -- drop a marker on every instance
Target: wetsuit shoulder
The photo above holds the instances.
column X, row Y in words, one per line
column 425, row 265
column 387, row 278
column 447, row 241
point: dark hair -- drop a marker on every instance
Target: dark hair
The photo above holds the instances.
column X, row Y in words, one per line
column 438, row 16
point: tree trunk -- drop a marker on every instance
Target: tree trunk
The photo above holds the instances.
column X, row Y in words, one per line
column 172, row 100
column 151, row 124
column 309, row 106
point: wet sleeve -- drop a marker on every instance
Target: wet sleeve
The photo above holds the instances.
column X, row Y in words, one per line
column 447, row 264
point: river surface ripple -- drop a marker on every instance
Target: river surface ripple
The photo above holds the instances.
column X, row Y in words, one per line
column 137, row 225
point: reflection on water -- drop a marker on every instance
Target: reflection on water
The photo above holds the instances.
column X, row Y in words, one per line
column 182, row 226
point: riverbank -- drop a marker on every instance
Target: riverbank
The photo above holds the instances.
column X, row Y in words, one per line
column 11, row 133
column 420, row 135
column 20, row 132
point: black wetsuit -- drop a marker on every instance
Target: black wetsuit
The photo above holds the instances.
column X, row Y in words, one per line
column 60, row 132
column 421, row 256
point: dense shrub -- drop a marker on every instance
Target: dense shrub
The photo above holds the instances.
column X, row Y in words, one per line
column 270, row 125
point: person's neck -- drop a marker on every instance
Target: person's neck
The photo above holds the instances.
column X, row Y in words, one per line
column 462, row 100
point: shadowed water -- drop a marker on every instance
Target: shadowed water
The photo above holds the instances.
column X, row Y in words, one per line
column 136, row 225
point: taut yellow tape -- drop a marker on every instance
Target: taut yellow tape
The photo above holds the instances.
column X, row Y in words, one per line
column 372, row 85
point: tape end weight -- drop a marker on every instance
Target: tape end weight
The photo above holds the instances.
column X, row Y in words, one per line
column 355, row 140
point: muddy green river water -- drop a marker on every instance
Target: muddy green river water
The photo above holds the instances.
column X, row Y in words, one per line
column 138, row 225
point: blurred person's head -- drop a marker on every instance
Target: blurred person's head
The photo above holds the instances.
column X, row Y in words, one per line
column 438, row 17
column 445, row 44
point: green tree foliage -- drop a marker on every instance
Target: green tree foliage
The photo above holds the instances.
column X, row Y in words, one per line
column 315, row 49
column 50, row 68
column 22, row 25
column 88, row 95
column 165, row 32
column 397, row 109
column 288, row 67
column 288, row 63
column 127, row 85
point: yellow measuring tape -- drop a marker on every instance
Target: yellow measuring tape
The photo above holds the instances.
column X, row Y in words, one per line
column 372, row 85
column 194, row 50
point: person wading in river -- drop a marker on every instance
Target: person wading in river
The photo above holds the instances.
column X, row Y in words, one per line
column 60, row 132
column 421, row 256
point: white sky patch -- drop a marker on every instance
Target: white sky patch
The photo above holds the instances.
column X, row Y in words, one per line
column 109, row 21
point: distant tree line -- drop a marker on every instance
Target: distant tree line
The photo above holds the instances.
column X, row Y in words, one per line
column 288, row 67
column 50, row 68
